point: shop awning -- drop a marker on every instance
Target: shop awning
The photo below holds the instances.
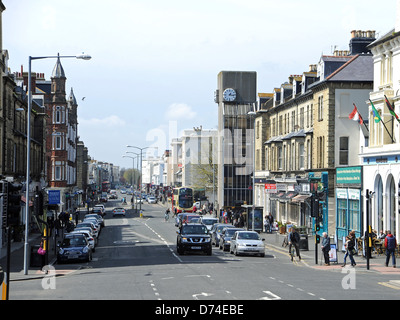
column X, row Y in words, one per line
column 301, row 197
column 277, row 195
column 288, row 196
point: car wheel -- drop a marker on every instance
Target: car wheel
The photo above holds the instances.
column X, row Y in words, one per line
column 262, row 254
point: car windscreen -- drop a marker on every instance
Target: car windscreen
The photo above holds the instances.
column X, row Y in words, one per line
column 73, row 242
column 194, row 229
column 230, row 232
column 208, row 222
column 248, row 235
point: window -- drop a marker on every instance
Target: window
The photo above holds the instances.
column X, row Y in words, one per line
column 344, row 151
column 301, row 156
column 57, row 141
column 280, row 163
column 320, row 108
column 57, row 173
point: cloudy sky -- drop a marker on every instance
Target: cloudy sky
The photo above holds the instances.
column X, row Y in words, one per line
column 155, row 63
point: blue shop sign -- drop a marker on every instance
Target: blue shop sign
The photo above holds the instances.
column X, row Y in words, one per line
column 54, row 197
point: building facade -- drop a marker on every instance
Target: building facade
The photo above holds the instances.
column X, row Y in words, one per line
column 381, row 158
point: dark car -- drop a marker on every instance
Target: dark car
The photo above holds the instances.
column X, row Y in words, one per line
column 216, row 232
column 74, row 247
column 225, row 238
column 193, row 237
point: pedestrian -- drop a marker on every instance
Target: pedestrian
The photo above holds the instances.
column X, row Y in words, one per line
column 266, row 224
column 390, row 245
column 294, row 239
column 270, row 222
column 382, row 235
column 326, row 247
column 76, row 217
column 349, row 245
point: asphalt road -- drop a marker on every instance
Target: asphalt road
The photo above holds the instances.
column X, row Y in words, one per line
column 136, row 259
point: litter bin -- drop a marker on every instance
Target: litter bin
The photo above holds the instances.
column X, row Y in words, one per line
column 36, row 259
column 303, row 245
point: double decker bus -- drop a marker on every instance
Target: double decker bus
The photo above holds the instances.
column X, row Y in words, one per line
column 182, row 199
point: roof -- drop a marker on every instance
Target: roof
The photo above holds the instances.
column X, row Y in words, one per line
column 58, row 71
column 358, row 68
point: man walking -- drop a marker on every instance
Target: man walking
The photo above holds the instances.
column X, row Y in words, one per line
column 326, row 247
column 390, row 245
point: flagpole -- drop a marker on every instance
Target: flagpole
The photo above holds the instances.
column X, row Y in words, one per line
column 359, row 114
column 380, row 118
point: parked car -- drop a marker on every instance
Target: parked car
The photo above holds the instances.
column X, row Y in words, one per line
column 98, row 217
column 91, row 225
column 226, row 236
column 74, row 247
column 247, row 242
column 94, row 221
column 216, row 232
column 119, row 212
column 89, row 238
column 208, row 221
column 88, row 229
column 193, row 237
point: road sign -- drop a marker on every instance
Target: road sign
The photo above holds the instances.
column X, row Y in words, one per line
column 54, row 196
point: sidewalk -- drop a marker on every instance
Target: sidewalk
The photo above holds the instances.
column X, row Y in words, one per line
column 17, row 257
column 376, row 263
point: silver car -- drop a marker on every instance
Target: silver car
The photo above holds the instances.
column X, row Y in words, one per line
column 247, row 242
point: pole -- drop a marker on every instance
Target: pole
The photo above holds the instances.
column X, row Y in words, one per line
column 367, row 234
column 28, row 169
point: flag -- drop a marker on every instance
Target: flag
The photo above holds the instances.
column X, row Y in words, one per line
column 356, row 116
column 391, row 110
column 377, row 117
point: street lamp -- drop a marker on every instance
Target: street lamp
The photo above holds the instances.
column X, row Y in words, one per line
column 28, row 144
column 141, row 171
column 252, row 115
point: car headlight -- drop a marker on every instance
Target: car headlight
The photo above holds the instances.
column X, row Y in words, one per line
column 61, row 251
column 85, row 250
column 184, row 239
column 207, row 240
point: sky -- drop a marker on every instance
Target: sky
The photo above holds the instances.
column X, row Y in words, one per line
column 155, row 63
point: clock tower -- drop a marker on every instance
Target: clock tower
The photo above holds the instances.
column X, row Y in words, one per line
column 236, row 96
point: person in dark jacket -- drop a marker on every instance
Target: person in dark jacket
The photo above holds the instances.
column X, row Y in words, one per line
column 326, row 247
column 390, row 245
column 294, row 239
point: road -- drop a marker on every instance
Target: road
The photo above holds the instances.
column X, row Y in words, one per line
column 136, row 259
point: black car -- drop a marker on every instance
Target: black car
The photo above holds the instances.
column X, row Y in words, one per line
column 217, row 230
column 193, row 237
column 74, row 247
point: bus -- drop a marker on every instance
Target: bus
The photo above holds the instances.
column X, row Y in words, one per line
column 105, row 186
column 182, row 200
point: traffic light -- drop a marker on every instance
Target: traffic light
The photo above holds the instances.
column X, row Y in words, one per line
column 13, row 203
column 317, row 238
column 314, row 206
column 38, row 203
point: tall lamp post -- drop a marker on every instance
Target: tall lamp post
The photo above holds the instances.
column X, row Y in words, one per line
column 133, row 169
column 141, row 171
column 252, row 115
column 28, row 145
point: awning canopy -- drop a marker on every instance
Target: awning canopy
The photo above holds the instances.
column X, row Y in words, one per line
column 301, row 197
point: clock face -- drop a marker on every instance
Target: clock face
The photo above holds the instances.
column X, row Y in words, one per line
column 229, row 95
